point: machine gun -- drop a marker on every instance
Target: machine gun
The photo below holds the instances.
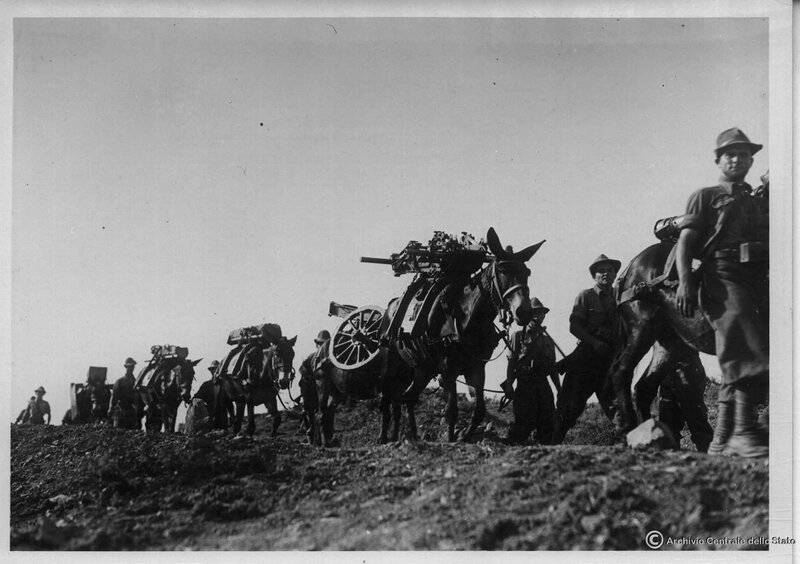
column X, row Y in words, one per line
column 162, row 354
column 265, row 334
column 444, row 254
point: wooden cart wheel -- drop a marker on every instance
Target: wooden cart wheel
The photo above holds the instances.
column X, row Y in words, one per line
column 356, row 342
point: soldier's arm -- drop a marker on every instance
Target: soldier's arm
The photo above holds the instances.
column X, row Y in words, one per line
column 685, row 251
column 578, row 322
column 47, row 411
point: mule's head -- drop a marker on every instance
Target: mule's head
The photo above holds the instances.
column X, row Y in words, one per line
column 508, row 278
column 184, row 376
column 280, row 359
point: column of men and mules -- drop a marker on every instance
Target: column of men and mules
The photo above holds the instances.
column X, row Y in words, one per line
column 719, row 220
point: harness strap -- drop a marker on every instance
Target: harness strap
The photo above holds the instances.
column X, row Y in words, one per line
column 642, row 288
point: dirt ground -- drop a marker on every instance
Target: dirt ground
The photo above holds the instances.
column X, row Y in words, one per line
column 97, row 488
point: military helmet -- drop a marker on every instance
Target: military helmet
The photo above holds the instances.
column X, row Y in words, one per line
column 40, row 389
column 214, row 365
column 129, row 362
column 322, row 336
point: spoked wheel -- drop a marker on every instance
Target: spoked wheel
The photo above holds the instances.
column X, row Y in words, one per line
column 357, row 341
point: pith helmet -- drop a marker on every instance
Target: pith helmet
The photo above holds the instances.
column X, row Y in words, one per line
column 322, row 336
column 214, row 365
column 603, row 259
column 734, row 136
column 129, row 362
column 40, row 389
column 536, row 305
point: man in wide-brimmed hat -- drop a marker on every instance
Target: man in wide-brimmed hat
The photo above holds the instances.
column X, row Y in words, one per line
column 123, row 406
column 592, row 322
column 531, row 358
column 39, row 408
column 728, row 230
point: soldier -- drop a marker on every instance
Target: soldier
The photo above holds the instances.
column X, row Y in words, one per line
column 25, row 415
column 531, row 358
column 39, row 408
column 592, row 322
column 677, row 380
column 122, row 409
column 728, row 230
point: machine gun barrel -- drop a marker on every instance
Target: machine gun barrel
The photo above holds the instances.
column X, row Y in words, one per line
column 375, row 260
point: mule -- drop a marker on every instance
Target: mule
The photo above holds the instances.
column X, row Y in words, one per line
column 256, row 377
column 170, row 384
column 324, row 386
column 651, row 317
column 501, row 285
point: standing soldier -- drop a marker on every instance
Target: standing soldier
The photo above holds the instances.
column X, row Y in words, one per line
column 531, row 358
column 123, row 400
column 677, row 379
column 592, row 322
column 39, row 408
column 728, row 230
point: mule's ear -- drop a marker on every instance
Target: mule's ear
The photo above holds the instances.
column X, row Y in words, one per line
column 525, row 254
column 493, row 242
column 292, row 341
column 196, row 362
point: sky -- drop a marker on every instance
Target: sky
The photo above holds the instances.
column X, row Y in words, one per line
column 176, row 179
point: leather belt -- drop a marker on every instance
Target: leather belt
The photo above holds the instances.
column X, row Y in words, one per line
column 746, row 252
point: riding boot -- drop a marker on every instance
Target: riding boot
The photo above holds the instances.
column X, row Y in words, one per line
column 748, row 439
column 723, row 428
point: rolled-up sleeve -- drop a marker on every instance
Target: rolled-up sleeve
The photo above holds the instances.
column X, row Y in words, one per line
column 698, row 211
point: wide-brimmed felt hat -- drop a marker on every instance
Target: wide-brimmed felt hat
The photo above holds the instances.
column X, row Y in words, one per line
column 40, row 389
column 322, row 336
column 214, row 365
column 537, row 305
column 734, row 136
column 129, row 362
column 603, row 259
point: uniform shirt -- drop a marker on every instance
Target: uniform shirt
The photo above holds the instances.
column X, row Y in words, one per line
column 123, row 394
column 532, row 349
column 594, row 312
column 37, row 411
column 747, row 217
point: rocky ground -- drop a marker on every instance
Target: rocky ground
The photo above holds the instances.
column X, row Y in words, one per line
column 96, row 488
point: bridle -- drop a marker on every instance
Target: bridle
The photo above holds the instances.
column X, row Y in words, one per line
column 501, row 296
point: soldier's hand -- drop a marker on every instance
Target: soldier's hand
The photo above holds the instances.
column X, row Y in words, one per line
column 687, row 298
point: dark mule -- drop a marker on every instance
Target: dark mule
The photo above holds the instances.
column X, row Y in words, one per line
column 170, row 384
column 257, row 374
column 500, row 285
column 651, row 316
column 324, row 386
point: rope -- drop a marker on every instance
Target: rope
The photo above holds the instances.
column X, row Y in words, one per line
column 485, row 389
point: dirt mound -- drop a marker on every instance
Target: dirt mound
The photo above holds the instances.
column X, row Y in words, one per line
column 92, row 487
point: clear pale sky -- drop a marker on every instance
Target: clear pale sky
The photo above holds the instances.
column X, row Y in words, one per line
column 176, row 179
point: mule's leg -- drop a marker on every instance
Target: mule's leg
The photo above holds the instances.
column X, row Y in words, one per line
column 451, row 410
column 390, row 391
column 475, row 377
column 645, row 390
column 397, row 414
column 272, row 407
column 251, row 416
column 638, row 318
column 328, row 414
